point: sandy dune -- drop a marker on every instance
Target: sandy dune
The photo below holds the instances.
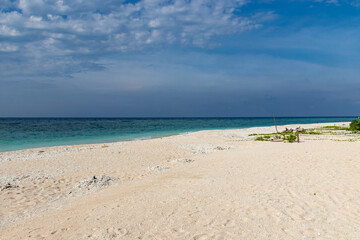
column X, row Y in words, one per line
column 205, row 185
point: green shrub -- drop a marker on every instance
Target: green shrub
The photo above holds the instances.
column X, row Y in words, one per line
column 336, row 128
column 290, row 137
column 260, row 139
column 355, row 125
column 311, row 132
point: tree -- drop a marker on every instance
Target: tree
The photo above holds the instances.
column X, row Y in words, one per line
column 355, row 125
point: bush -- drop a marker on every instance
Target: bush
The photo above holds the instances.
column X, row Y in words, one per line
column 335, row 128
column 260, row 139
column 290, row 137
column 355, row 125
column 314, row 133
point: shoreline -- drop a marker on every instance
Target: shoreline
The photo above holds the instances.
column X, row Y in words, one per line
column 200, row 185
column 160, row 136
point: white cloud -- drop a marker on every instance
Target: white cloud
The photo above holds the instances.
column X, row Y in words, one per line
column 8, row 31
column 355, row 3
column 86, row 30
column 328, row 1
column 5, row 47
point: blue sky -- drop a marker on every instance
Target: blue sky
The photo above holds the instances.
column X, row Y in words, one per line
column 193, row 58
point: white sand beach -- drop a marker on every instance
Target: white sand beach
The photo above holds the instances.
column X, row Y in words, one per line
column 218, row 184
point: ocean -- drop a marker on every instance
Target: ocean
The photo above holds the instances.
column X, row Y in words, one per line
column 24, row 133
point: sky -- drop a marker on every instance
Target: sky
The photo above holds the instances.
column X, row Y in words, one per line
column 179, row 58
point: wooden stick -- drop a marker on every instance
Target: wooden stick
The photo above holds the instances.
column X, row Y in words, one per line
column 298, row 136
column 275, row 125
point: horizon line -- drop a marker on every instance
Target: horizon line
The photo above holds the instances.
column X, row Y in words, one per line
column 348, row 116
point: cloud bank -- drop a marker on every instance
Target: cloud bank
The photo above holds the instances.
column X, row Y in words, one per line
column 59, row 38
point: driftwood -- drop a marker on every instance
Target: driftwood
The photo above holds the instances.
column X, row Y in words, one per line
column 299, row 129
column 298, row 136
column 276, row 139
column 275, row 125
column 288, row 130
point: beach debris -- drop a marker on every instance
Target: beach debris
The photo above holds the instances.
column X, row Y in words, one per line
column 94, row 179
column 205, row 148
column 300, row 129
column 184, row 160
column 288, row 130
column 94, row 183
column 158, row 168
column 15, row 181
column 275, row 124
column 276, row 138
column 220, row 148
column 109, row 233
column 8, row 186
column 297, row 136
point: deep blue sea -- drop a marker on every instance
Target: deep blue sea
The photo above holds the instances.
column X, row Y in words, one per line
column 23, row 133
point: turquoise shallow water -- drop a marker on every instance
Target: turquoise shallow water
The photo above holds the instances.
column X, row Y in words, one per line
column 23, row 133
